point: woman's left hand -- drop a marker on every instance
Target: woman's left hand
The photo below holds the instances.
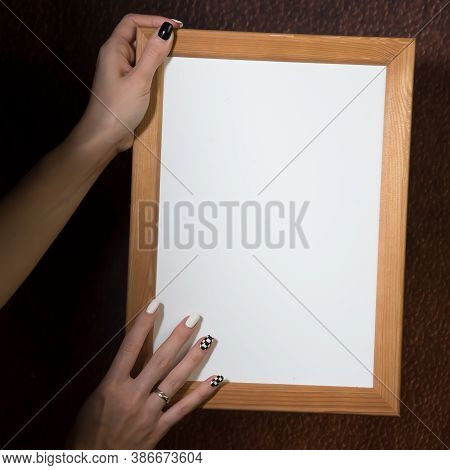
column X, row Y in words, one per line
column 121, row 88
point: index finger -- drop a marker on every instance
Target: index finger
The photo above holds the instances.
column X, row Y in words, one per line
column 126, row 28
column 131, row 345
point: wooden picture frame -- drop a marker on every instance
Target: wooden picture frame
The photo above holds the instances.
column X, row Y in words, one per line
column 398, row 57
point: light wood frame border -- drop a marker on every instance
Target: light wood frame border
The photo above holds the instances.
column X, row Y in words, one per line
column 398, row 56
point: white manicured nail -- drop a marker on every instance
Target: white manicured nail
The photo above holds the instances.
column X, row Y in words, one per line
column 152, row 307
column 178, row 21
column 192, row 320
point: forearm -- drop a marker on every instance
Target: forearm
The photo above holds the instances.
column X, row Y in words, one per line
column 34, row 213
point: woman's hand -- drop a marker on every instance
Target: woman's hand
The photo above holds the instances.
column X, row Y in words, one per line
column 47, row 196
column 124, row 413
column 121, row 88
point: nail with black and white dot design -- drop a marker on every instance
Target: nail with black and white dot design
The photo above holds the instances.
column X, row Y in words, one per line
column 216, row 380
column 206, row 342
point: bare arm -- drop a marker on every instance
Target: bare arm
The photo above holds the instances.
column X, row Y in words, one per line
column 123, row 412
column 34, row 213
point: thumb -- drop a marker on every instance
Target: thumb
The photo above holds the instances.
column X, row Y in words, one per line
column 154, row 53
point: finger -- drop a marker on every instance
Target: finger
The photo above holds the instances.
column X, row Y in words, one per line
column 178, row 376
column 155, row 51
column 117, row 57
column 133, row 341
column 186, row 405
column 163, row 358
column 127, row 27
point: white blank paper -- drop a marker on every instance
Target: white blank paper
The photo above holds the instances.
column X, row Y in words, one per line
column 289, row 315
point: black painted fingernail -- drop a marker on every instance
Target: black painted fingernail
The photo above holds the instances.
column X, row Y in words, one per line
column 206, row 342
column 216, row 380
column 165, row 31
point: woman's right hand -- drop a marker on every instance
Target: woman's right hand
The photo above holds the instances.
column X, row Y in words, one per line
column 127, row 413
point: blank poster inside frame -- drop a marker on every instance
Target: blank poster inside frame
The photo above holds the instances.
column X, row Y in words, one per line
column 320, row 126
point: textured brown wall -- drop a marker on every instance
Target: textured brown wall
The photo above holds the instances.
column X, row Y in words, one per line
column 74, row 300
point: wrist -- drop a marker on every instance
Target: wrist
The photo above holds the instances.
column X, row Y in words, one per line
column 93, row 140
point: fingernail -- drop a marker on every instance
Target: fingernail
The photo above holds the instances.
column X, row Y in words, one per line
column 206, row 342
column 165, row 31
column 178, row 22
column 192, row 320
column 152, row 307
column 216, row 380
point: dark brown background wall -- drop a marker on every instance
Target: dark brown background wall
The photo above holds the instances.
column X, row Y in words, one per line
column 74, row 301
